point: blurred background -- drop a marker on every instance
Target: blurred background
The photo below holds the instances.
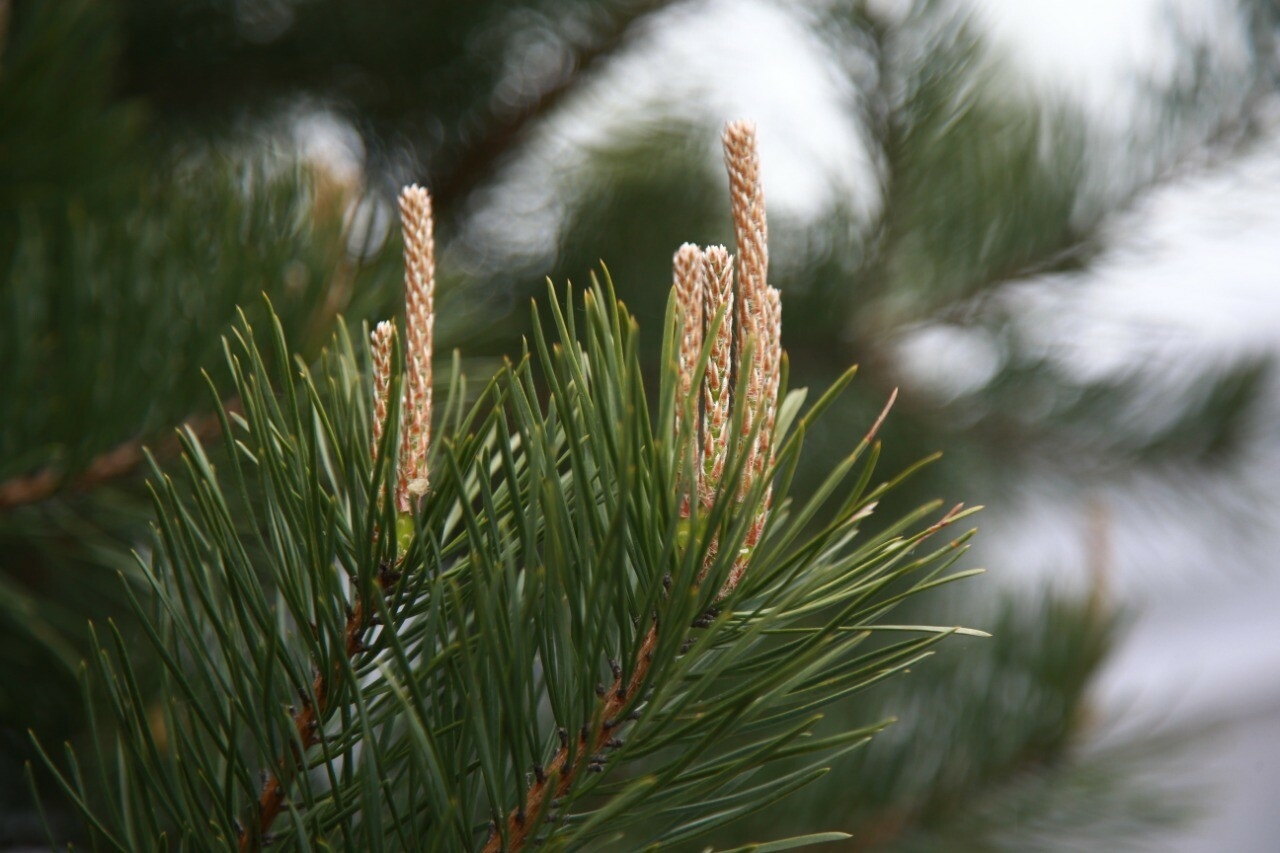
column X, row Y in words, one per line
column 1055, row 227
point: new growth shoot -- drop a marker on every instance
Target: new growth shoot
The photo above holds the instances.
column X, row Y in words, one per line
column 415, row 404
column 705, row 294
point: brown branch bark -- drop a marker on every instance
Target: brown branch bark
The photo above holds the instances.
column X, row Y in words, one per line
column 306, row 722
column 557, row 778
column 119, row 461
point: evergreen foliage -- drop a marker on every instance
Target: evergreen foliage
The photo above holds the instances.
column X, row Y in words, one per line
column 136, row 214
column 549, row 550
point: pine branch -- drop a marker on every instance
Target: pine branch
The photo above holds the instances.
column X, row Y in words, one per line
column 501, row 137
column 120, row 461
column 409, row 53
column 557, row 778
column 306, row 723
column 700, row 276
column 552, row 539
column 411, row 483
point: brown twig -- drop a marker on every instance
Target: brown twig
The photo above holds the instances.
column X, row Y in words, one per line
column 307, row 722
column 555, row 780
column 119, row 461
column 879, row 422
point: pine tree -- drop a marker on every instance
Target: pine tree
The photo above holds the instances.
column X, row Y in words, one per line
column 139, row 217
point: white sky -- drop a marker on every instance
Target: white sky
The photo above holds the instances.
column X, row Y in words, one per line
column 707, row 62
column 1091, row 48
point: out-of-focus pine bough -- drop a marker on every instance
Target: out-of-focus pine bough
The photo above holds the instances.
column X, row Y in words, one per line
column 121, row 265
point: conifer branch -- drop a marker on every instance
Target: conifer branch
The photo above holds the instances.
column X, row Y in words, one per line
column 120, row 461
column 704, row 291
column 557, row 777
column 307, row 721
column 571, row 501
column 497, row 140
column 411, row 482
